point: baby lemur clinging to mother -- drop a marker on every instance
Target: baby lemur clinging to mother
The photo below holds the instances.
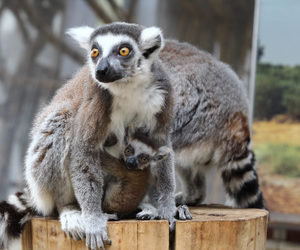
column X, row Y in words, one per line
column 127, row 178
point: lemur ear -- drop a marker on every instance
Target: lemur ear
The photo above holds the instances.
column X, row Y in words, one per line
column 81, row 35
column 152, row 41
column 161, row 153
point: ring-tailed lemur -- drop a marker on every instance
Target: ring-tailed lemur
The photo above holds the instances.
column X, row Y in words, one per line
column 121, row 84
column 182, row 98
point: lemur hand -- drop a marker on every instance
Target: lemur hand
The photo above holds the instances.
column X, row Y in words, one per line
column 96, row 231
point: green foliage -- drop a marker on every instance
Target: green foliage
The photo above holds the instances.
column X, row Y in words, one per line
column 291, row 99
column 281, row 159
column 277, row 91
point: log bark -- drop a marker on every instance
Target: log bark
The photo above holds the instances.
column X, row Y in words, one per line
column 212, row 227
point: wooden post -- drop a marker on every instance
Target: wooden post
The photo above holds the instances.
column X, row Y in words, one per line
column 212, row 227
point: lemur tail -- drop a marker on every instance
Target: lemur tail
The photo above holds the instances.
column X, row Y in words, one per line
column 241, row 181
column 14, row 213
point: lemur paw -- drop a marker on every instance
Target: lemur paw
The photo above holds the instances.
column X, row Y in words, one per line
column 148, row 214
column 72, row 224
column 96, row 231
column 183, row 213
column 168, row 213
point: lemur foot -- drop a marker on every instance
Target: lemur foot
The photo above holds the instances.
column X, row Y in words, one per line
column 72, row 224
column 183, row 213
column 96, row 231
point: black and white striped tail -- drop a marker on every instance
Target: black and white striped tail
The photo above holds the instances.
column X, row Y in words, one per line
column 241, row 182
column 14, row 213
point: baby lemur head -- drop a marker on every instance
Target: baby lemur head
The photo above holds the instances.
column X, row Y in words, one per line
column 140, row 151
column 118, row 51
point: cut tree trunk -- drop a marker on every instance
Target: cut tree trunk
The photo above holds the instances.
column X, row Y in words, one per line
column 213, row 227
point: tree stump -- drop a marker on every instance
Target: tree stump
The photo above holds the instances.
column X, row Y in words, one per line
column 212, row 227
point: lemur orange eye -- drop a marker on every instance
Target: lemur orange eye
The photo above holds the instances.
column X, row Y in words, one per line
column 144, row 159
column 124, row 51
column 95, row 52
column 127, row 151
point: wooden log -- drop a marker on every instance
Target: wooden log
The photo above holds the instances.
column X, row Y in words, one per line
column 212, row 227
column 26, row 238
column 219, row 227
column 46, row 234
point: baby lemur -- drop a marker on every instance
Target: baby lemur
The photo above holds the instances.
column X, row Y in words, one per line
column 127, row 178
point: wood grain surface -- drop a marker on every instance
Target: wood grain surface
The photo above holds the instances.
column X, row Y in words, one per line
column 213, row 227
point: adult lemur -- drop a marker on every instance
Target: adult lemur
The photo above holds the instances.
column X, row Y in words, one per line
column 180, row 97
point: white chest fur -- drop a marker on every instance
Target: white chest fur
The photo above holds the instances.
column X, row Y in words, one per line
column 135, row 107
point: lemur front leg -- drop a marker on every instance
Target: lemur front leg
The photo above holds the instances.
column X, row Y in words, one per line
column 165, row 172
column 88, row 184
column 164, row 181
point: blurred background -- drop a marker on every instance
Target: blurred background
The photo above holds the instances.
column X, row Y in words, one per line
column 258, row 39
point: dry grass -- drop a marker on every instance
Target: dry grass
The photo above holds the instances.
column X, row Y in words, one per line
column 277, row 147
column 276, row 133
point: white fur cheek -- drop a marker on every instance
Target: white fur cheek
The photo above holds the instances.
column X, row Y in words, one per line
column 92, row 68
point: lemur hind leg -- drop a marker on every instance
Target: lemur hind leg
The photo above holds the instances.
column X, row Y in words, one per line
column 193, row 185
column 241, row 183
column 48, row 173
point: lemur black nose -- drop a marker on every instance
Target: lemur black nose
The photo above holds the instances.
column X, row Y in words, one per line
column 131, row 163
column 102, row 68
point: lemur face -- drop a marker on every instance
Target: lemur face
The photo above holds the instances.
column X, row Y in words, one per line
column 113, row 57
column 140, row 153
column 119, row 51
